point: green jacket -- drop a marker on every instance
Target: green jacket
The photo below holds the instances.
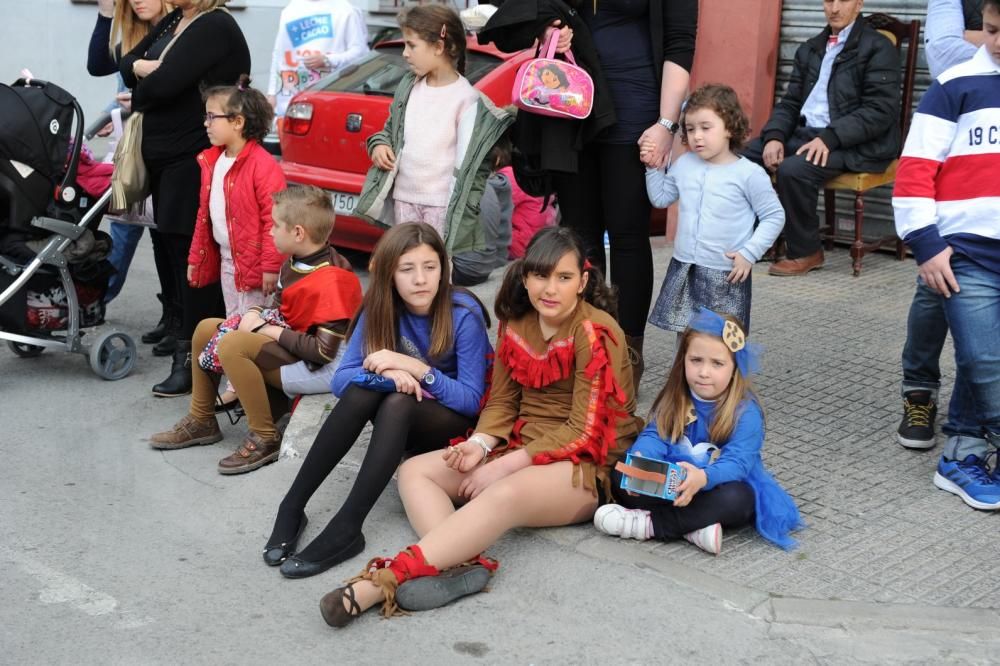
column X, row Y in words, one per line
column 463, row 231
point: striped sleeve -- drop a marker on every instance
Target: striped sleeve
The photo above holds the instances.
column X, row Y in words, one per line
column 915, row 195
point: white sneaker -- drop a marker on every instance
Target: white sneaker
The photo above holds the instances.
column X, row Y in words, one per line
column 616, row 520
column 709, row 539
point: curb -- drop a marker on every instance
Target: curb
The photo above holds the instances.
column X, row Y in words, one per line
column 774, row 609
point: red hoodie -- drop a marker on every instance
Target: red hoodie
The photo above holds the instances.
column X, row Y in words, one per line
column 248, row 187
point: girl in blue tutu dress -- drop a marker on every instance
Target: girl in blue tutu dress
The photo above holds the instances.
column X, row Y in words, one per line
column 707, row 420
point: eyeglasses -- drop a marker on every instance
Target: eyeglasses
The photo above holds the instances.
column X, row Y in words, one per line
column 211, row 117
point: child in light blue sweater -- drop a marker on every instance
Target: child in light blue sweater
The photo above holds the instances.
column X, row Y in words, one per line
column 720, row 195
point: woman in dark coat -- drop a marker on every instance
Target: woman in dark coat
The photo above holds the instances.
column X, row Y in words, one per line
column 209, row 50
column 640, row 53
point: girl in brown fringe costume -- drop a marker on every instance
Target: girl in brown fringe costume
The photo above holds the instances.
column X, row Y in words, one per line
column 559, row 414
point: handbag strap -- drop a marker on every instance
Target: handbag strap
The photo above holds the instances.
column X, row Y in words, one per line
column 549, row 48
column 174, row 38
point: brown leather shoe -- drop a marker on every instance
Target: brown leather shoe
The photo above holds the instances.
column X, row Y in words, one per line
column 254, row 452
column 189, row 431
column 799, row 266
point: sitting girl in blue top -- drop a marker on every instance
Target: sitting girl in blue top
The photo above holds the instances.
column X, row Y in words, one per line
column 415, row 366
column 708, row 421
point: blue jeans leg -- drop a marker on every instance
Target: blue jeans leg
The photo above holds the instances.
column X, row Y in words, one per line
column 974, row 317
column 124, row 240
column 926, row 331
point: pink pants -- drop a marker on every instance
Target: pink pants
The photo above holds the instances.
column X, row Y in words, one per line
column 237, row 302
column 432, row 215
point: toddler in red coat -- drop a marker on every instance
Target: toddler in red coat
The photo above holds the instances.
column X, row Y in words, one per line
column 232, row 234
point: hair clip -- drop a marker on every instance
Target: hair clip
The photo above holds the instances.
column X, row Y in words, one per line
column 746, row 354
column 444, row 31
column 587, row 266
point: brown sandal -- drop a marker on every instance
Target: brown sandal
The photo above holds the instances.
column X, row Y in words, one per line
column 332, row 607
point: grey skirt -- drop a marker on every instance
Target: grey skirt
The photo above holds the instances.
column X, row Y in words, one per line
column 688, row 287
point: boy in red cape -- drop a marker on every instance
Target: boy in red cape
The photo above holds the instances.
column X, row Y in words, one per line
column 317, row 296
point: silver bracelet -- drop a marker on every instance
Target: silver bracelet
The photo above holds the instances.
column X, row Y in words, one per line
column 481, row 442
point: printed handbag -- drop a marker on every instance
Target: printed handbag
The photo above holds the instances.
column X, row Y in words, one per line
column 551, row 87
column 208, row 359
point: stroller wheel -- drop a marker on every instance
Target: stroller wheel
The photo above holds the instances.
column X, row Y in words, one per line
column 25, row 350
column 112, row 356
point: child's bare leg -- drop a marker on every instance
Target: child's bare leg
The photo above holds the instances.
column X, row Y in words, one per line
column 537, row 496
column 429, row 490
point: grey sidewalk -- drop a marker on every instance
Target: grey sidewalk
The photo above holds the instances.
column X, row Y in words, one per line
column 878, row 530
column 114, row 553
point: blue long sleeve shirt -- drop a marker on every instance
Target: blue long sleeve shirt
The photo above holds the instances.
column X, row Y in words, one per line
column 737, row 459
column 459, row 376
column 719, row 203
column 944, row 34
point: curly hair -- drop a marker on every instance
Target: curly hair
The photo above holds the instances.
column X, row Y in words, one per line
column 544, row 251
column 242, row 100
column 722, row 100
column 437, row 23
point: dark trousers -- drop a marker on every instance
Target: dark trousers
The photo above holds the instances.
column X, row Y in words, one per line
column 798, row 186
column 731, row 504
column 926, row 330
column 195, row 304
column 608, row 193
column 175, row 186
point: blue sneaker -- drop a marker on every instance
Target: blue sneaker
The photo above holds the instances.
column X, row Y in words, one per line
column 969, row 479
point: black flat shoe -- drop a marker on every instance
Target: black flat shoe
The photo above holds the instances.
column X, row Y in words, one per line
column 275, row 554
column 226, row 406
column 296, row 567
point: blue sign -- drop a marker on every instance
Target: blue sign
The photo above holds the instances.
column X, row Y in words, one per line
column 308, row 28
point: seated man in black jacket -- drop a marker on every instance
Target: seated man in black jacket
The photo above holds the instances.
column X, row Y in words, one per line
column 840, row 113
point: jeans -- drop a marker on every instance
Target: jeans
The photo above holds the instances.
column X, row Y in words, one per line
column 926, row 330
column 974, row 317
column 124, row 239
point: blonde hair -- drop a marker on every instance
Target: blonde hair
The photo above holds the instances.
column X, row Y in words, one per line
column 129, row 29
column 673, row 404
column 306, row 206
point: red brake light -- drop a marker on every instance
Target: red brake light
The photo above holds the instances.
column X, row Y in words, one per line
column 298, row 118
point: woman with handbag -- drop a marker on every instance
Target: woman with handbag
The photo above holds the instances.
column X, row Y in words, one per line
column 639, row 53
column 197, row 45
column 120, row 27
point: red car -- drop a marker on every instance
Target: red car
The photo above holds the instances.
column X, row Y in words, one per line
column 325, row 127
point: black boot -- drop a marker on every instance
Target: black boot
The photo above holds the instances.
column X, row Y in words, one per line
column 179, row 381
column 168, row 343
column 635, row 358
column 160, row 330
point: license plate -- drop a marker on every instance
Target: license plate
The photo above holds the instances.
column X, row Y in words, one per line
column 343, row 202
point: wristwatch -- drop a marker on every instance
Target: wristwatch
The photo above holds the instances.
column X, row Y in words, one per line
column 671, row 126
column 429, row 378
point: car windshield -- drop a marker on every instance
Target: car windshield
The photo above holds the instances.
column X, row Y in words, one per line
column 380, row 71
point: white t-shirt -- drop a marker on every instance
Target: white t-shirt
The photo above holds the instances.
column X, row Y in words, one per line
column 217, row 201
column 333, row 28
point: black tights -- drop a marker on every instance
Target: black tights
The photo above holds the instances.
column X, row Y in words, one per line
column 731, row 504
column 401, row 426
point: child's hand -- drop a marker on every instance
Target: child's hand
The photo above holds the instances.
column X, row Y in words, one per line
column 270, row 283
column 741, row 268
column 405, row 382
column 250, row 320
column 381, row 361
column 481, row 478
column 463, row 457
column 383, row 157
column 190, row 275
column 692, row 483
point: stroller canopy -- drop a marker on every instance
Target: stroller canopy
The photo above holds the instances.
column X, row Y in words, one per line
column 35, row 126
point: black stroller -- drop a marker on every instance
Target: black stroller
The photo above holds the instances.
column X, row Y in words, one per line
column 43, row 213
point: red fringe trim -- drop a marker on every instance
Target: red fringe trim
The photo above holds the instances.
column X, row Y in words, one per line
column 533, row 370
column 601, row 428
